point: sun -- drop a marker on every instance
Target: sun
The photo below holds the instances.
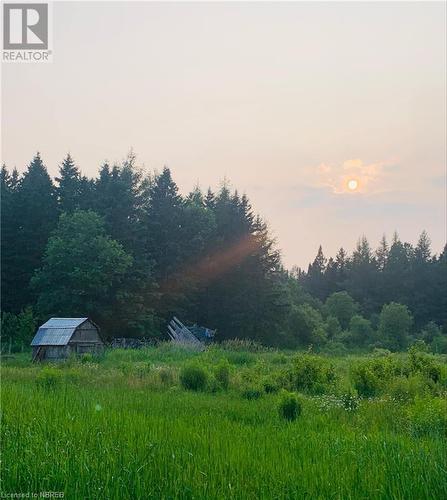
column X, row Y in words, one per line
column 353, row 184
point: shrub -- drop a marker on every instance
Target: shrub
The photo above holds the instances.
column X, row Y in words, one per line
column 49, row 377
column 309, row 373
column 421, row 362
column 270, row 385
column 428, row 416
column 366, row 381
column 370, row 376
column 289, row 406
column 87, row 357
column 335, row 348
column 166, row 375
column 193, row 377
column 251, row 393
column 222, row 374
column 406, row 389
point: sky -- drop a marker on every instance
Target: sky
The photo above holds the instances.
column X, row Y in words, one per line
column 293, row 103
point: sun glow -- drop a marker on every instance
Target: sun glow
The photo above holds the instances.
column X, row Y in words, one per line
column 353, row 184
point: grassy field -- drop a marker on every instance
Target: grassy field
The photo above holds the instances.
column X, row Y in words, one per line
column 125, row 426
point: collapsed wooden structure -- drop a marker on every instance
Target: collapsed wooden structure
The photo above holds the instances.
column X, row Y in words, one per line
column 194, row 337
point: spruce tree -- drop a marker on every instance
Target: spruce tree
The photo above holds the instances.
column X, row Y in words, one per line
column 69, row 186
column 37, row 214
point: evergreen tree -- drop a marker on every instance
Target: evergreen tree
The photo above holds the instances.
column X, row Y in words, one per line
column 396, row 282
column 69, row 190
column 36, row 213
column 119, row 195
column 315, row 282
column 382, row 254
column 9, row 233
column 362, row 276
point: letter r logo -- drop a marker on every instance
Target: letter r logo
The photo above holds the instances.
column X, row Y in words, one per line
column 25, row 26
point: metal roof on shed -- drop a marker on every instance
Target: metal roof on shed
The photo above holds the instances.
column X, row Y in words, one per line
column 64, row 322
column 57, row 331
column 52, row 336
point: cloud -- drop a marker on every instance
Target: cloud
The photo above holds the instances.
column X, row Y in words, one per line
column 369, row 178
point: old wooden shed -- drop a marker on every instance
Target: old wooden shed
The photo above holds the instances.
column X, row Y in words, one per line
column 60, row 337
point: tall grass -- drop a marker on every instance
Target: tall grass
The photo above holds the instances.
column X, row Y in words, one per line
column 96, row 430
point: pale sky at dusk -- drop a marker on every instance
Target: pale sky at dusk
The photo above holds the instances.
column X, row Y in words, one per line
column 288, row 101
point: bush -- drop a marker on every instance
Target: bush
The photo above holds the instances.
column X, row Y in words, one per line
column 222, row 374
column 193, row 377
column 87, row 357
column 370, row 376
column 270, row 385
column 309, row 373
column 166, row 376
column 367, row 383
column 289, row 406
column 428, row 416
column 421, row 362
column 49, row 377
column 405, row 389
column 251, row 393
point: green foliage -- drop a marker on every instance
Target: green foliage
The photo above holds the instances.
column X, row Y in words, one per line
column 270, row 384
column 86, row 273
column 406, row 389
column 193, row 377
column 94, row 402
column 332, row 327
column 166, row 375
column 289, row 407
column 430, row 331
column 394, row 326
column 428, row 416
column 306, row 326
column 342, row 306
column 222, row 374
column 30, row 215
column 309, row 373
column 87, row 357
column 17, row 330
column 423, row 363
column 350, row 401
column 207, row 258
column 251, row 393
column 370, row 376
column 49, row 377
column 403, row 378
column 361, row 331
column 439, row 344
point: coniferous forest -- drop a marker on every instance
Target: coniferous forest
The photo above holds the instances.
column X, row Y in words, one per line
column 129, row 251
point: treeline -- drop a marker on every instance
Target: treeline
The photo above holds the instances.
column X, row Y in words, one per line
column 127, row 250
column 395, row 272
